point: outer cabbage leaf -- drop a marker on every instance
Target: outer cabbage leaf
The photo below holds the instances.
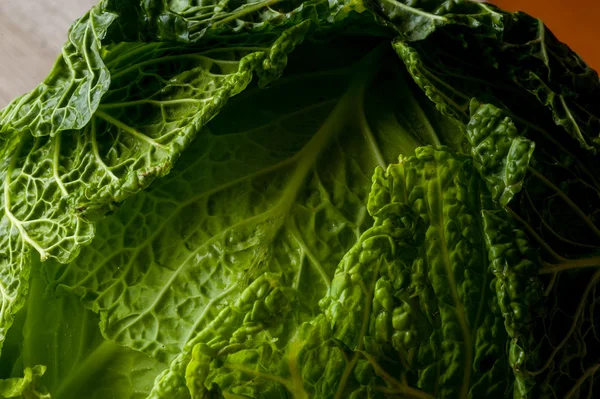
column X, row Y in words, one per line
column 537, row 88
column 276, row 202
column 416, row 20
column 419, row 307
column 472, row 47
column 193, row 21
column 26, row 387
column 500, row 154
column 500, row 82
column 73, row 147
column 500, row 149
column 70, row 94
column 54, row 187
column 254, row 193
column 78, row 362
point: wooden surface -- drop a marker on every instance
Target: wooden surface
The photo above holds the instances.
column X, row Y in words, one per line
column 33, row 31
column 31, row 35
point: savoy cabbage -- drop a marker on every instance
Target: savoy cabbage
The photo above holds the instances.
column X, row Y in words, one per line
column 302, row 199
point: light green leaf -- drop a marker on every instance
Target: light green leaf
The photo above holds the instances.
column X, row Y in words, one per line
column 54, row 187
column 261, row 267
column 290, row 190
column 450, row 284
column 69, row 96
column 62, row 335
column 500, row 154
column 26, row 387
column 267, row 184
column 416, row 308
column 270, row 171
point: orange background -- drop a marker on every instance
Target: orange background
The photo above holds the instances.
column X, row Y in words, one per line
column 574, row 22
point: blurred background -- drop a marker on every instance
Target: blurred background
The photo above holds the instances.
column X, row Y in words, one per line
column 33, row 31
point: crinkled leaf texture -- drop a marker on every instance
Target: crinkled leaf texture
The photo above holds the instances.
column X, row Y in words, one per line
column 54, row 186
column 69, row 96
column 402, row 312
column 258, row 214
column 535, row 87
column 284, row 192
column 275, row 257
